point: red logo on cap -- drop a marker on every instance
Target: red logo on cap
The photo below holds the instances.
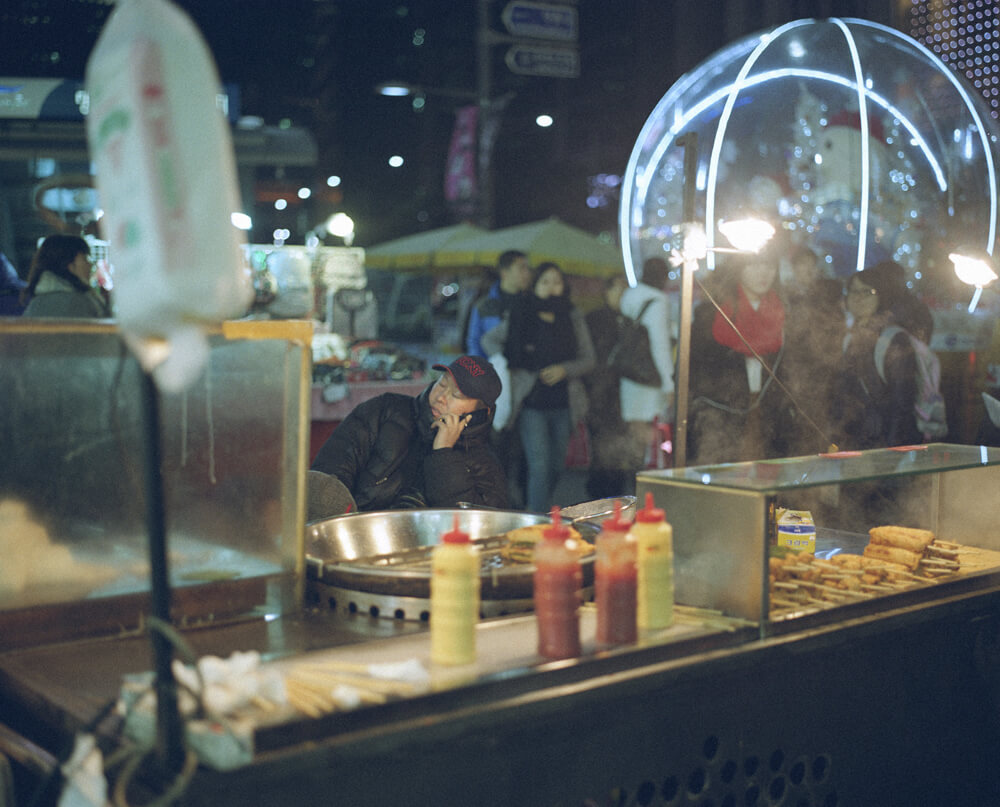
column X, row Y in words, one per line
column 471, row 365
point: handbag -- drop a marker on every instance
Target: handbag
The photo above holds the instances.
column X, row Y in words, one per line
column 631, row 356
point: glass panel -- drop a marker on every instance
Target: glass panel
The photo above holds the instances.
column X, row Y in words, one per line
column 773, row 476
column 72, row 473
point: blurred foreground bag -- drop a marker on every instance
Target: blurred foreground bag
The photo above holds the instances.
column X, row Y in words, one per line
column 166, row 176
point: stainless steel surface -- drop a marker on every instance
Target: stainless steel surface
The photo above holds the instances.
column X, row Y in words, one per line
column 400, row 607
column 386, row 556
column 720, row 547
column 722, row 530
column 599, row 509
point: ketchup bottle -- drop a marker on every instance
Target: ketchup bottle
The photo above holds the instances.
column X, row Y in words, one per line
column 558, row 583
column 454, row 598
column 654, row 539
column 615, row 582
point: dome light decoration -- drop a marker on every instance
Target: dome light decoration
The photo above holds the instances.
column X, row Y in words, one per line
column 856, row 140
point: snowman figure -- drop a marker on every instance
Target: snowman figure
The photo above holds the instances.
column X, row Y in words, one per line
column 841, row 154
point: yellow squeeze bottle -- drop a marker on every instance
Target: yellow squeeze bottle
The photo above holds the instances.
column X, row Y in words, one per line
column 655, row 562
column 454, row 598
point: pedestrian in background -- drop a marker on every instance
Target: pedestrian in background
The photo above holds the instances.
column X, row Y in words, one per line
column 870, row 412
column 610, row 472
column 485, row 338
column 59, row 281
column 815, row 325
column 548, row 351
column 737, row 410
column 641, row 404
column 514, row 280
column 11, row 287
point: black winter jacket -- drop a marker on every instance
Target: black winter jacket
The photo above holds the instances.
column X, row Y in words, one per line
column 383, row 454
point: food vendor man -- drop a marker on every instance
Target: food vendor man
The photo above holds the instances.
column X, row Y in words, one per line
column 432, row 450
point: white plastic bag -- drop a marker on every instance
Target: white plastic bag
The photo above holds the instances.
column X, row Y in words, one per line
column 166, row 177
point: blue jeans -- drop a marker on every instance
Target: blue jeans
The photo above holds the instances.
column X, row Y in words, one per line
column 545, row 438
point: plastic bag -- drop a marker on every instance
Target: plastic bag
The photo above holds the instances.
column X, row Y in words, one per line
column 166, row 176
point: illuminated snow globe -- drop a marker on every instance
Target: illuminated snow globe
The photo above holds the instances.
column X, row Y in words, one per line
column 852, row 138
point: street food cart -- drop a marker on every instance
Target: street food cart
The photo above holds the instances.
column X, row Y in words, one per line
column 883, row 699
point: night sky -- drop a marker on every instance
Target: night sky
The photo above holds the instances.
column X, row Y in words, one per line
column 315, row 63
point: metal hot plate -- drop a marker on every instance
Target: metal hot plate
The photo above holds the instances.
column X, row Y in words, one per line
column 380, row 562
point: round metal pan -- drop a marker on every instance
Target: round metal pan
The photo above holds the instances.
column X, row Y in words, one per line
column 388, row 553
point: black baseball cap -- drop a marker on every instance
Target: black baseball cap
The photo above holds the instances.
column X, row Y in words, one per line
column 475, row 377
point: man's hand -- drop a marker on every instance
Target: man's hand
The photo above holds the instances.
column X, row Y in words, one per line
column 449, row 428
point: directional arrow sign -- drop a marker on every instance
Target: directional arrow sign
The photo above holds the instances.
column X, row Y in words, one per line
column 540, row 20
column 538, row 60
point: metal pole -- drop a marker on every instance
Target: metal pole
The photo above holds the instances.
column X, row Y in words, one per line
column 689, row 142
column 169, row 730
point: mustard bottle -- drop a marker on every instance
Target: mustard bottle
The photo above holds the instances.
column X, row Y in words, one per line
column 655, row 564
column 454, row 599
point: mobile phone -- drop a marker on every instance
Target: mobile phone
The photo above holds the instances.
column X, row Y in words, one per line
column 478, row 416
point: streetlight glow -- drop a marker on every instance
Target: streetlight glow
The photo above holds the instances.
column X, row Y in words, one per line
column 975, row 268
column 747, row 235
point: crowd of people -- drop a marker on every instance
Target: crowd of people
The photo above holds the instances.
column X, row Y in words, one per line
column 784, row 361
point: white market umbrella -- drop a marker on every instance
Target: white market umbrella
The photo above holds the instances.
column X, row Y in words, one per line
column 420, row 250
column 576, row 251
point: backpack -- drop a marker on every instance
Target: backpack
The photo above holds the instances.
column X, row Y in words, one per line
column 631, row 356
column 929, row 407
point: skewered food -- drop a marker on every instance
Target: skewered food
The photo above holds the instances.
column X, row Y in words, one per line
column 901, row 537
column 896, row 558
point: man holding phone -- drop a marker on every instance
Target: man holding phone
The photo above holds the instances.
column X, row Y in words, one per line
column 433, row 450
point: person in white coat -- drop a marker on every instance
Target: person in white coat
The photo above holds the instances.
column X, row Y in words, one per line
column 642, row 404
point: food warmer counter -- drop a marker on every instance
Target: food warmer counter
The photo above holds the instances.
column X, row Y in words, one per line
column 890, row 699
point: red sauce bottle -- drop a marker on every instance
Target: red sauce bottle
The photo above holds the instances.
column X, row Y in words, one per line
column 558, row 582
column 615, row 582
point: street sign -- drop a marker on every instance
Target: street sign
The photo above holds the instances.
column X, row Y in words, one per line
column 538, row 60
column 540, row 20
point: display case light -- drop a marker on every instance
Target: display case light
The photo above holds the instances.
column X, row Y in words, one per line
column 974, row 267
column 747, row 235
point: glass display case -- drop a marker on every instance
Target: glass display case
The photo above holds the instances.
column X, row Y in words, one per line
column 73, row 523
column 730, row 553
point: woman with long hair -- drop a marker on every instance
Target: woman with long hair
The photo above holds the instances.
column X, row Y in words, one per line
column 871, row 412
column 548, row 350
column 59, row 281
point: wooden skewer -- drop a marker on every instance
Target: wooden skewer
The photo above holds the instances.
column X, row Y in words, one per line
column 307, row 700
column 877, row 587
column 945, row 553
column 330, row 679
column 837, row 592
column 339, row 666
column 786, row 586
column 263, row 703
column 946, row 544
column 940, row 562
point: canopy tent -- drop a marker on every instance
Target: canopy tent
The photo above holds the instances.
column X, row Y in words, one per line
column 577, row 252
column 418, row 251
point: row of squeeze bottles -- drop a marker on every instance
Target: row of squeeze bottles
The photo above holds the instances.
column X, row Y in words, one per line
column 633, row 586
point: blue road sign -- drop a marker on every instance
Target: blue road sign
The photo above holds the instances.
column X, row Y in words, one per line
column 538, row 60
column 540, row 20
